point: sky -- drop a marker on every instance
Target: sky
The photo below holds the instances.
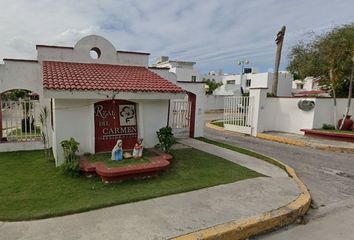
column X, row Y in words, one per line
column 214, row 33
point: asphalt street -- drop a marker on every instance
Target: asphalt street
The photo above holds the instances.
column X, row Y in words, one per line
column 328, row 175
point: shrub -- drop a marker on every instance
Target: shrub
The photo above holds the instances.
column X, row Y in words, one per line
column 166, row 138
column 328, row 127
column 71, row 164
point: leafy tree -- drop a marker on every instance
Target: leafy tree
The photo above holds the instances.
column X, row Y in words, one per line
column 14, row 95
column 328, row 56
column 322, row 54
column 212, row 84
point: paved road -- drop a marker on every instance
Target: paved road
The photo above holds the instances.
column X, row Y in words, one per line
column 329, row 176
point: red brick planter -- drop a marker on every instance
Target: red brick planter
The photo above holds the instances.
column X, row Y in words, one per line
column 156, row 165
column 329, row 135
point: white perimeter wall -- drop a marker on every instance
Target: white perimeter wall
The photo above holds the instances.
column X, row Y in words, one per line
column 324, row 111
column 282, row 114
column 214, row 102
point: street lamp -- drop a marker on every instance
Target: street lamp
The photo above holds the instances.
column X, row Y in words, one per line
column 242, row 63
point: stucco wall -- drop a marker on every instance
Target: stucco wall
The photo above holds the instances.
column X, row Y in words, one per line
column 282, row 114
column 185, row 74
column 152, row 117
column 21, row 75
column 214, row 102
column 324, row 111
column 81, row 53
column 75, row 118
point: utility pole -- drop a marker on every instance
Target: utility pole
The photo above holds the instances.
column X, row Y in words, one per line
column 242, row 63
column 279, row 41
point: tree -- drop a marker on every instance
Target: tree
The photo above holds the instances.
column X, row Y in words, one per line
column 212, row 85
column 328, row 56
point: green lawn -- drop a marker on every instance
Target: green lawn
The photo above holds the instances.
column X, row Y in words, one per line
column 336, row 131
column 220, row 123
column 243, row 151
column 31, row 187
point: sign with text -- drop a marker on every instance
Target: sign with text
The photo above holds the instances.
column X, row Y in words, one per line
column 115, row 119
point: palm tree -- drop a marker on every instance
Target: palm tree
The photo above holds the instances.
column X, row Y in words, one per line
column 279, row 41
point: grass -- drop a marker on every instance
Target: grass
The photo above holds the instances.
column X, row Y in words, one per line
column 106, row 159
column 220, row 123
column 336, row 131
column 243, row 151
column 32, row 188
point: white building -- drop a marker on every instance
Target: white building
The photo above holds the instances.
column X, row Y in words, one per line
column 308, row 87
column 232, row 83
column 184, row 70
column 97, row 95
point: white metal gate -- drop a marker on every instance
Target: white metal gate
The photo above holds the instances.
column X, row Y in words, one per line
column 238, row 114
column 181, row 110
column 20, row 120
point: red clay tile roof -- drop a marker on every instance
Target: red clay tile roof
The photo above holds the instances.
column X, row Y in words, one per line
column 105, row 77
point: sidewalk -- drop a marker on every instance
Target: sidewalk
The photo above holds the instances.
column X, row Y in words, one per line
column 174, row 215
column 301, row 140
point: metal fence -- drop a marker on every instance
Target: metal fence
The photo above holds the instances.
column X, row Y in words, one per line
column 180, row 113
column 238, row 114
column 20, row 120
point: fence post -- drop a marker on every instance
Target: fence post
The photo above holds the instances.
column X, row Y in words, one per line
column 259, row 95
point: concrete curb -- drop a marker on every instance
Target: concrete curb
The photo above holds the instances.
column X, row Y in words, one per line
column 282, row 140
column 244, row 228
column 303, row 143
column 212, row 126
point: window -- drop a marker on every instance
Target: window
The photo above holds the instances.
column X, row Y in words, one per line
column 248, row 82
column 194, row 78
column 230, row 82
column 299, row 86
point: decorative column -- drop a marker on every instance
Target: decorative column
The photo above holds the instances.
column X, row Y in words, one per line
column 259, row 95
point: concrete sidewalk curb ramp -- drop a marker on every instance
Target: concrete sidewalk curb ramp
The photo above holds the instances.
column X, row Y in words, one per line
column 244, row 228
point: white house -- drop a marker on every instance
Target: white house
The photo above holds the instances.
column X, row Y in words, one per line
column 232, row 83
column 308, row 87
column 97, row 95
column 184, row 70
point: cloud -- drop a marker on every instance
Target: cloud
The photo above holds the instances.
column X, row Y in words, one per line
column 215, row 33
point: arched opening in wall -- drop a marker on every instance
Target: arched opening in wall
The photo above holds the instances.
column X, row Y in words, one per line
column 115, row 120
column 19, row 116
column 95, row 53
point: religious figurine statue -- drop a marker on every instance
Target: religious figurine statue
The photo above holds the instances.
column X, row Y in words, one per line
column 117, row 151
column 138, row 149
